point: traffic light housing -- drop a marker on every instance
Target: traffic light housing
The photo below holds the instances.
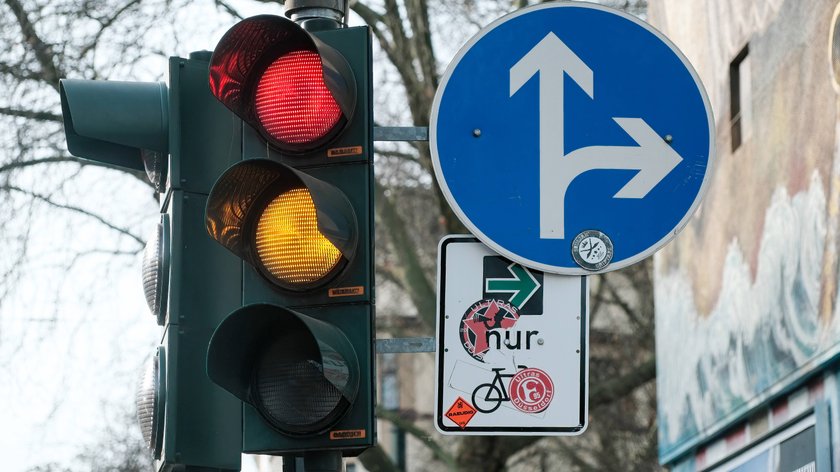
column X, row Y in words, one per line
column 230, row 168
column 297, row 212
column 179, row 135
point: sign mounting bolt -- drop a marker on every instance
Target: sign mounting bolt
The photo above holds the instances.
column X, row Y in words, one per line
column 477, row 132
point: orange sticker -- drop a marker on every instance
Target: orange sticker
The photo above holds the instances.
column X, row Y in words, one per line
column 461, row 412
column 346, row 291
column 345, row 151
column 348, row 434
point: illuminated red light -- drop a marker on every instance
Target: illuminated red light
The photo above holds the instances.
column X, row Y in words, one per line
column 293, row 104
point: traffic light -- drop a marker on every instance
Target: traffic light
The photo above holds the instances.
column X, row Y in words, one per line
column 179, row 135
column 297, row 212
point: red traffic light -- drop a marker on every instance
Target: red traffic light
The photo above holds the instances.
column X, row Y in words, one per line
column 293, row 105
column 297, row 91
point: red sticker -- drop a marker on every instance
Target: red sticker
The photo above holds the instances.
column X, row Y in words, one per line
column 531, row 390
column 481, row 318
column 461, row 412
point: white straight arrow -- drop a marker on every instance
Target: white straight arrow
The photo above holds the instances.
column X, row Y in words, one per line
column 551, row 58
column 653, row 158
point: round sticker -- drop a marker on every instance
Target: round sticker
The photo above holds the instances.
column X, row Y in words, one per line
column 592, row 250
column 531, row 390
column 482, row 317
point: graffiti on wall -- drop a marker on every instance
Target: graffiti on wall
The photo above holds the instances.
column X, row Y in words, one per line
column 747, row 294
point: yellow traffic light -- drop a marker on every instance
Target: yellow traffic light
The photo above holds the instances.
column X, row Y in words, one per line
column 289, row 245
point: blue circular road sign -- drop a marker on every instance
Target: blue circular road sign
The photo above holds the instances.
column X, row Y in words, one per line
column 572, row 138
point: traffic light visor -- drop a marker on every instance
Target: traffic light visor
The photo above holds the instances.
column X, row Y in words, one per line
column 300, row 373
column 298, row 231
column 297, row 91
column 119, row 124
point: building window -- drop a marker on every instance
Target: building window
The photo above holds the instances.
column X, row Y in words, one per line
column 740, row 98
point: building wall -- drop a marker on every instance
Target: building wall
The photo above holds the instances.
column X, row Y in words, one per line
column 747, row 294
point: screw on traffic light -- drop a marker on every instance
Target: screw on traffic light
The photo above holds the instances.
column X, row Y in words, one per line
column 297, row 211
column 179, row 135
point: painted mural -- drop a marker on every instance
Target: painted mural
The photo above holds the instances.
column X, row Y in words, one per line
column 746, row 297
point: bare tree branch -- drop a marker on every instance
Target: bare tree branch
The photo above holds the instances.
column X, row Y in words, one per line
column 33, row 162
column 105, row 24
column 617, row 299
column 19, row 73
column 414, row 280
column 31, row 114
column 82, row 211
column 615, row 388
column 43, row 51
column 229, row 9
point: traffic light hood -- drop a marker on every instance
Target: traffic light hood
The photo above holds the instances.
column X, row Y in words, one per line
column 313, row 360
column 245, row 189
column 250, row 50
column 119, row 124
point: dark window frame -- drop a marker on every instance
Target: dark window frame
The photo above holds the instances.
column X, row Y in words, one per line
column 735, row 97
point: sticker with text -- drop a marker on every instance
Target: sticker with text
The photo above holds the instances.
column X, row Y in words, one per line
column 346, row 291
column 461, row 412
column 345, row 151
column 531, row 390
column 348, row 434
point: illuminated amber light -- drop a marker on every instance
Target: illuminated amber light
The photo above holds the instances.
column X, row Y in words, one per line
column 288, row 242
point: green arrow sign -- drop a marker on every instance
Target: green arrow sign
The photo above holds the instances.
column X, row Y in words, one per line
column 522, row 287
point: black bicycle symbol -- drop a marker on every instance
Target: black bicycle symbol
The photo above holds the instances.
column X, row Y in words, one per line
column 487, row 397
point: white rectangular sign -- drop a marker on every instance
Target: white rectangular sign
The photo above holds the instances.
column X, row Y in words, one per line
column 511, row 345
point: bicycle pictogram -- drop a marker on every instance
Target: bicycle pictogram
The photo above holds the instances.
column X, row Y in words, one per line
column 488, row 397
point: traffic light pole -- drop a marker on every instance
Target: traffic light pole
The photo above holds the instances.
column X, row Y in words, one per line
column 316, row 461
